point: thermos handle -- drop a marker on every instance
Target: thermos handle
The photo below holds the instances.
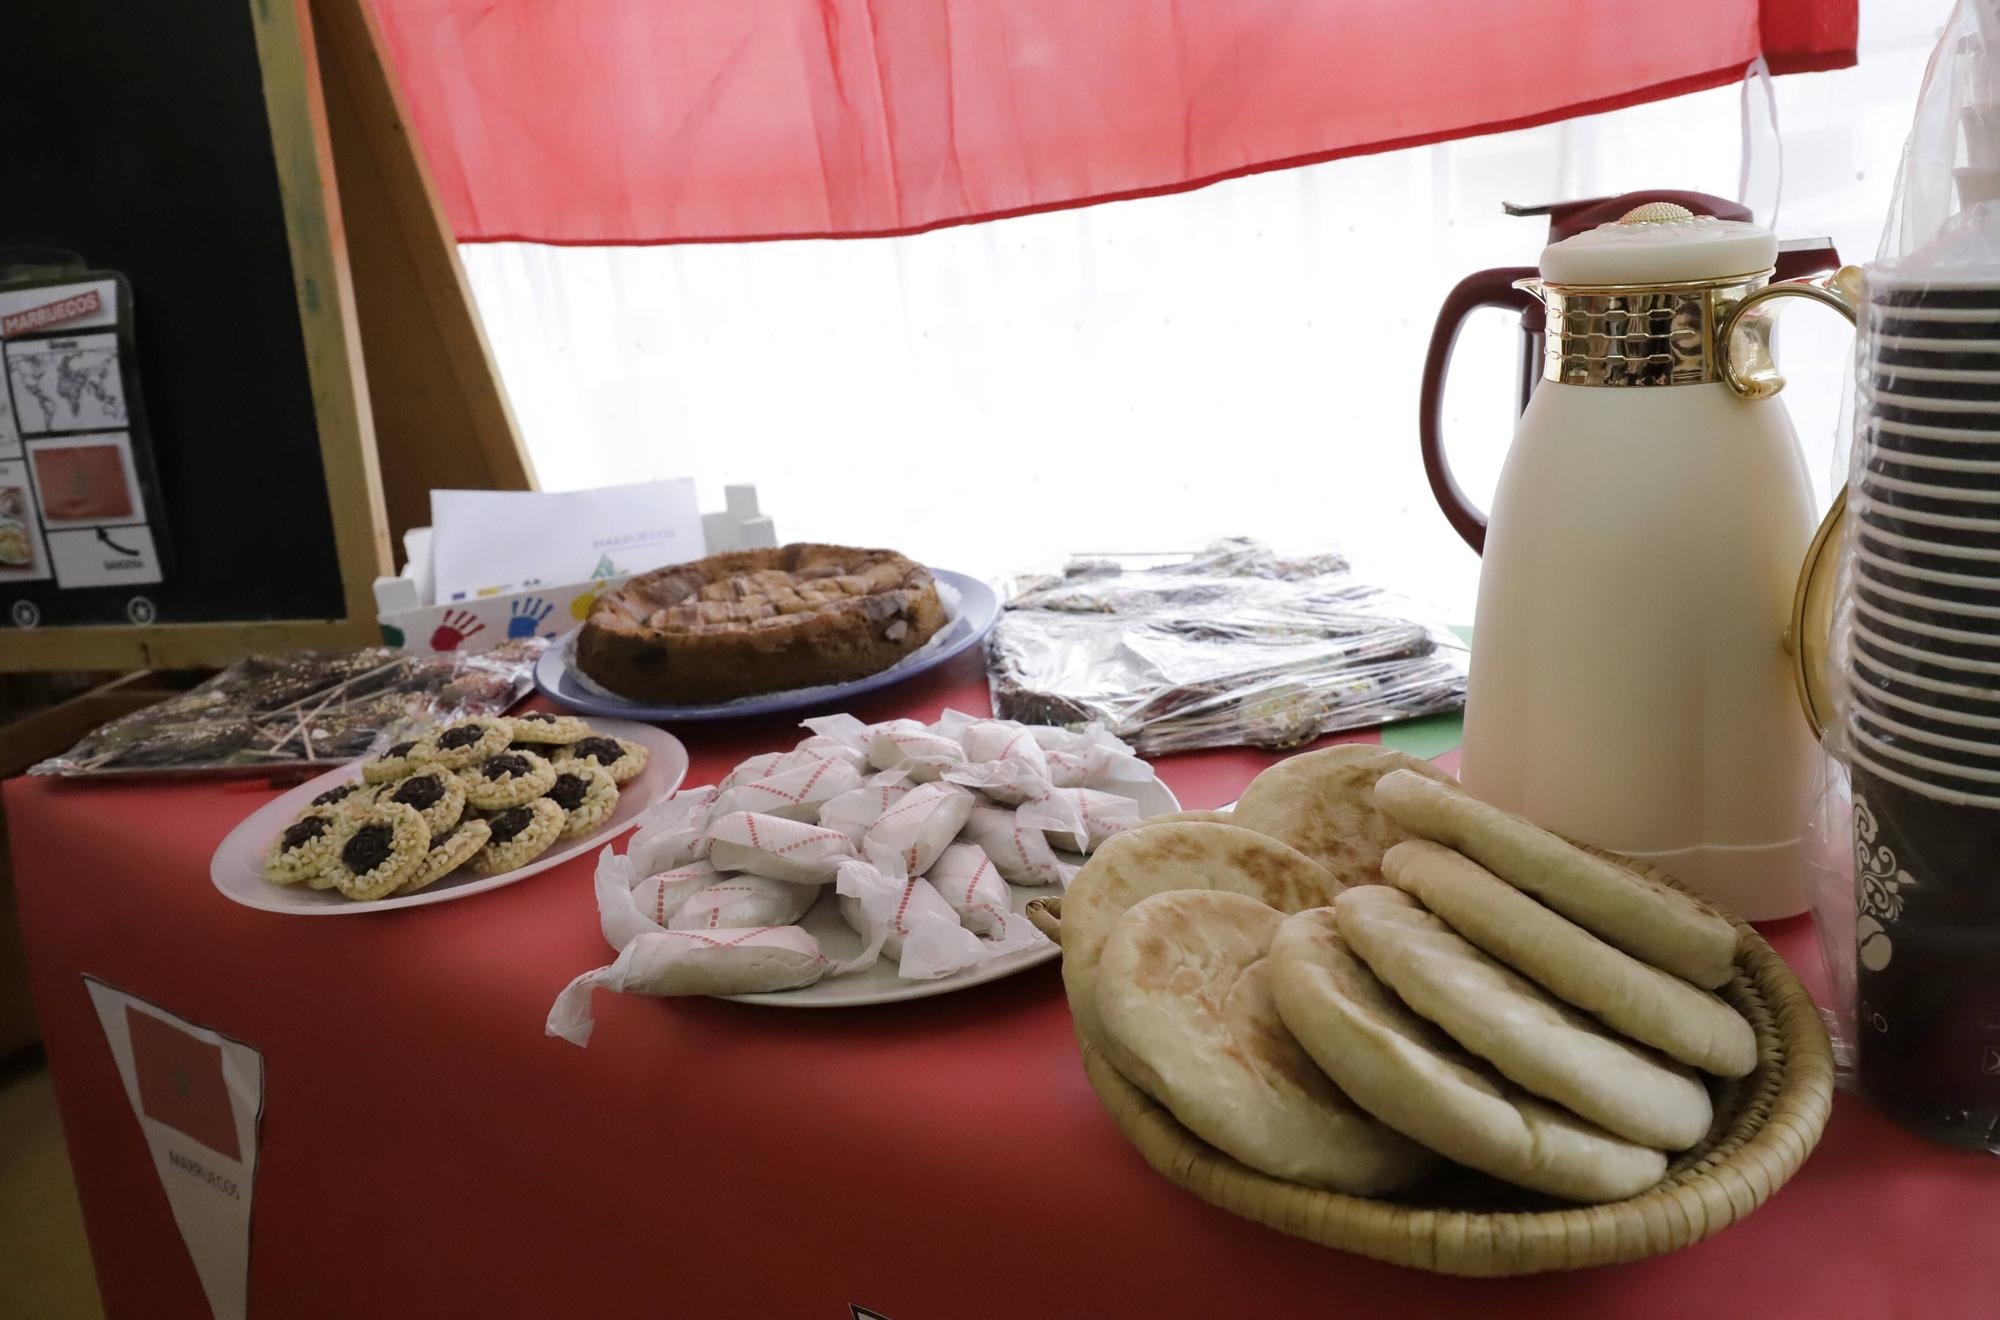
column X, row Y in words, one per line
column 1743, row 340
column 1486, row 288
column 1743, row 350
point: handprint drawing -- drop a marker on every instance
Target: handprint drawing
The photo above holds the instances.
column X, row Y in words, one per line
column 456, row 627
column 528, row 616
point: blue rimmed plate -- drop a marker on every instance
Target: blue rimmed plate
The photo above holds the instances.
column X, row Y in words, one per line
column 559, row 680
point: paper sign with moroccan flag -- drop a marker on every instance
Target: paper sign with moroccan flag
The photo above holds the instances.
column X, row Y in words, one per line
column 181, row 1082
column 198, row 1096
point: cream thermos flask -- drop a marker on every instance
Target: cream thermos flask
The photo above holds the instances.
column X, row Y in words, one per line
column 1631, row 685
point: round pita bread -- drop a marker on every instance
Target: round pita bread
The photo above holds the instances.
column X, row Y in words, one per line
column 1535, row 1040
column 1192, row 817
column 1638, row 999
column 1153, row 859
column 1647, row 919
column 1323, row 804
column 1185, row 998
column 1408, row 1074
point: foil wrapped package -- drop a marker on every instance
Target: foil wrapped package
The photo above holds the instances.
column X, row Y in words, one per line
column 1232, row 646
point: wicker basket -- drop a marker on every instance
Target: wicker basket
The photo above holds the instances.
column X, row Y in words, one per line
column 1765, row 1125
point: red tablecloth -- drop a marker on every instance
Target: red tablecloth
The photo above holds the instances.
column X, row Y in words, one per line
column 427, row 1151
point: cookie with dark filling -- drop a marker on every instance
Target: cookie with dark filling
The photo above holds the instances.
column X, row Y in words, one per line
column 587, row 794
column 518, row 835
column 302, row 848
column 378, row 850
column 449, row 851
column 622, row 759
column 507, row 780
column 434, row 791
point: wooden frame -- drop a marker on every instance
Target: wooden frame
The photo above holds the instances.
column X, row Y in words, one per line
column 393, row 347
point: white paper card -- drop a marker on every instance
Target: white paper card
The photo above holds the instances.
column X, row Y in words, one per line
column 199, row 1099
column 490, row 541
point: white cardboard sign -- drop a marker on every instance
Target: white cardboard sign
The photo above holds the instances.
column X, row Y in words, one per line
column 199, row 1098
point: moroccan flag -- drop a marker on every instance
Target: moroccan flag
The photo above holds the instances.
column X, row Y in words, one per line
column 181, row 1083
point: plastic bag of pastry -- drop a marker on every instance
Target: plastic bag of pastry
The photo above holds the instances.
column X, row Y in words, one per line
column 855, row 810
column 631, row 903
column 1021, row 851
column 1233, row 645
column 906, row 918
column 796, row 792
column 734, row 901
column 776, row 848
column 919, row 826
column 1090, row 757
column 682, row 962
column 673, row 833
column 1080, row 819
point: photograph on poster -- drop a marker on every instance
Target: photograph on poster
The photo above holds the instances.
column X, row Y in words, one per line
column 23, row 557
column 86, row 480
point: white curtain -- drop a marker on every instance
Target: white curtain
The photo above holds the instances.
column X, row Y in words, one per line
column 1146, row 375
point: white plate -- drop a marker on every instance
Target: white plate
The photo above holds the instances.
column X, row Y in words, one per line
column 238, row 871
column 881, row 985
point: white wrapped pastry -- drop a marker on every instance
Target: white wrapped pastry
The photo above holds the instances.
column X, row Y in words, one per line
column 829, row 748
column 1090, row 758
column 1080, row 819
column 906, row 919
column 660, row 897
column 672, row 833
column 908, row 746
column 679, row 962
column 919, row 826
column 967, row 879
column 855, row 810
column 795, row 792
column 1009, row 782
column 756, row 767
column 739, row 901
column 1021, row 851
column 776, row 848
column 988, row 742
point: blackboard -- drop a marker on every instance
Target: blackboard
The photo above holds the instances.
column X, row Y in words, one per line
column 137, row 136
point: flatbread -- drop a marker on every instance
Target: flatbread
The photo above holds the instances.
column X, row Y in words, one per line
column 1647, row 919
column 1185, row 1000
column 1534, row 1039
column 1323, row 804
column 1153, row 859
column 1192, row 817
column 1635, row 998
column 1408, row 1074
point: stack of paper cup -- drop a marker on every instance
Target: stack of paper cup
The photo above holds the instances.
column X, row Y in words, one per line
column 1922, row 716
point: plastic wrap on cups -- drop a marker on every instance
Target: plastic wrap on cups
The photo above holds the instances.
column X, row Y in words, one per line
column 1233, row 646
column 1901, row 883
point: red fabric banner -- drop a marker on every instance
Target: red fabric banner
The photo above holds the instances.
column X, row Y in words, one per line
column 664, row 121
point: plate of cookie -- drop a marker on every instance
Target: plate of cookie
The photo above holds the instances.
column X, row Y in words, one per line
column 477, row 804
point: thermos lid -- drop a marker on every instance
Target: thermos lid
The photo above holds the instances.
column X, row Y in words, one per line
column 1660, row 243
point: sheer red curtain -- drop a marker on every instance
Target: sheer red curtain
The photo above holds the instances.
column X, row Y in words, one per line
column 669, row 121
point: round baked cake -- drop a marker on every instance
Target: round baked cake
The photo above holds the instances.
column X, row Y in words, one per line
column 754, row 621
